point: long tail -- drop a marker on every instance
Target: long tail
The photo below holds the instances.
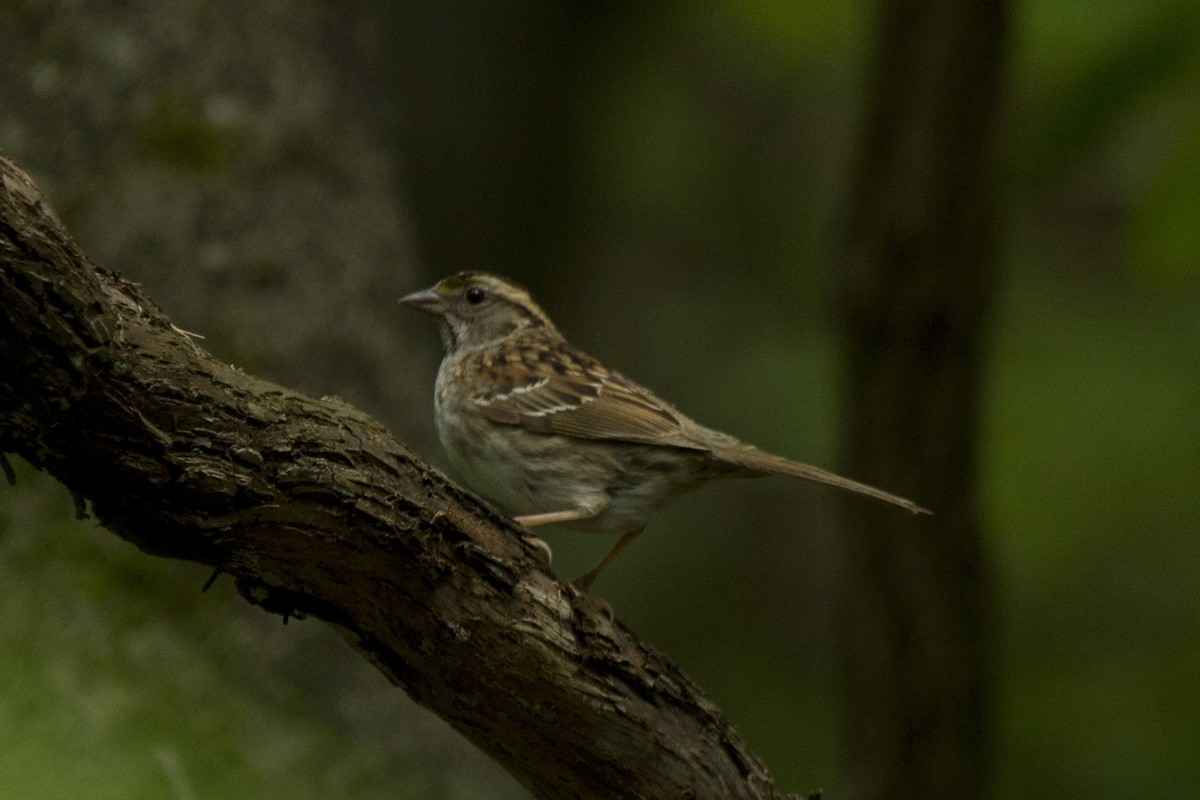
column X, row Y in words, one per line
column 763, row 462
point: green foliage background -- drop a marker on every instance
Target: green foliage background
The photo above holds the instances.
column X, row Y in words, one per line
column 694, row 246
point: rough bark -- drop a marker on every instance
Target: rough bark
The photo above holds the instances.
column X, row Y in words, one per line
column 916, row 294
column 316, row 509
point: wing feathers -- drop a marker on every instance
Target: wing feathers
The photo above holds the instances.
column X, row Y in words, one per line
column 574, row 395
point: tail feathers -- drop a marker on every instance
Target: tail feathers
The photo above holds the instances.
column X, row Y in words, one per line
column 761, row 462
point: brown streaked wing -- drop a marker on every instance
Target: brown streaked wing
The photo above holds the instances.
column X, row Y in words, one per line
column 586, row 401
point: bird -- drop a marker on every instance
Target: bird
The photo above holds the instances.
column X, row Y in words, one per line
column 550, row 435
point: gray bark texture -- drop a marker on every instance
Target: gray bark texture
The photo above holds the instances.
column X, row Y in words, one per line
column 316, row 509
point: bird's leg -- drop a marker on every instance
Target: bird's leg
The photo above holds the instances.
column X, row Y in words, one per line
column 585, row 580
column 588, row 511
column 565, row 515
column 550, row 518
column 555, row 517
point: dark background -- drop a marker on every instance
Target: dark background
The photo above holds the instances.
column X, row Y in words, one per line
column 673, row 183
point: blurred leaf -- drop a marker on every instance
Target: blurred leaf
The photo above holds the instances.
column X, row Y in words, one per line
column 655, row 140
column 1165, row 235
column 176, row 133
column 1092, row 451
column 1083, row 66
column 789, row 32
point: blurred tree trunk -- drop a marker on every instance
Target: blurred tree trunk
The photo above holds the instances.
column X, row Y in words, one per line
column 915, row 296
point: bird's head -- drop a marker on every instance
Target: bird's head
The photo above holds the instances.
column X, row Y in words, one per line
column 475, row 309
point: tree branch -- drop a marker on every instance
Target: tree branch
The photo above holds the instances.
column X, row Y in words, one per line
column 316, row 509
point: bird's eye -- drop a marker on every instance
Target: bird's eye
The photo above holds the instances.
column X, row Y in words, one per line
column 475, row 295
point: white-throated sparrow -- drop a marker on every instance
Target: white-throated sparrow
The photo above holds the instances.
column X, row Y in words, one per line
column 552, row 436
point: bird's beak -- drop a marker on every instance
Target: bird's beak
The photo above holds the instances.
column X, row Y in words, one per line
column 427, row 300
